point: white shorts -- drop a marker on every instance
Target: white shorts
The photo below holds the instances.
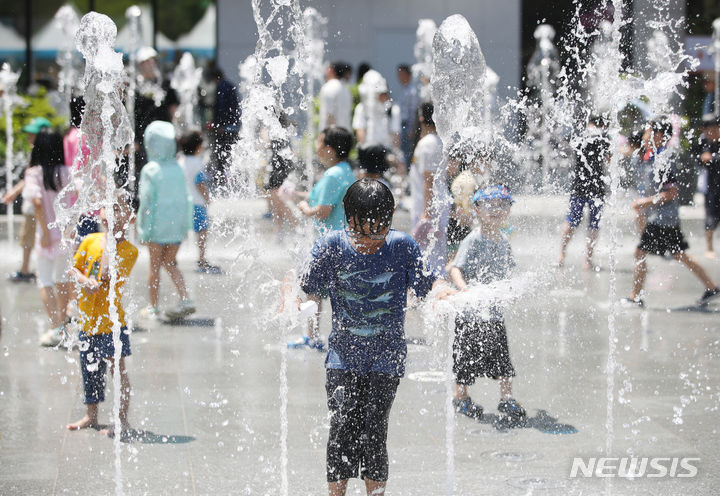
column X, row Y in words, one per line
column 51, row 271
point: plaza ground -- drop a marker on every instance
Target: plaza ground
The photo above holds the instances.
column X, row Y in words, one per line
column 208, row 395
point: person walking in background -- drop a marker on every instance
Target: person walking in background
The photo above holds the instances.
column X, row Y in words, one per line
column 662, row 232
column 191, row 145
column 430, row 198
column 224, row 127
column 27, row 229
column 44, row 179
column 408, row 101
column 335, row 98
column 164, row 217
column 588, row 188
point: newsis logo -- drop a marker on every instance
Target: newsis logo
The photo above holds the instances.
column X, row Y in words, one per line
column 631, row 467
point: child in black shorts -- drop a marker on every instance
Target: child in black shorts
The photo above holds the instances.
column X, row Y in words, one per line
column 481, row 348
column 662, row 232
column 367, row 270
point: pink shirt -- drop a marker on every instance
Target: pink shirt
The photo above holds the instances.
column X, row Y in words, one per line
column 34, row 188
column 71, row 146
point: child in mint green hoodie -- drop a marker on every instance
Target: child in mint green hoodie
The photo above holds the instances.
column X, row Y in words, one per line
column 164, row 216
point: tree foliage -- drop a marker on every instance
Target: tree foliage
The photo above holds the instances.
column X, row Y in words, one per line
column 174, row 17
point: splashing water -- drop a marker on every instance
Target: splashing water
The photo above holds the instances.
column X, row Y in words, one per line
column 715, row 51
column 423, row 48
column 610, row 93
column 106, row 127
column 458, row 77
column 68, row 22
column 185, row 81
column 457, row 87
column 315, row 34
column 548, row 114
column 274, row 79
column 132, row 14
column 10, row 100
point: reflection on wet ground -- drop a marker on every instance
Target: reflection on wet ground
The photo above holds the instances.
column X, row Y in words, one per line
column 206, row 401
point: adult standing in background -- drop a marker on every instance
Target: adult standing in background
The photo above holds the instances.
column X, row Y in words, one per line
column 335, row 98
column 155, row 100
column 408, row 101
column 430, row 197
column 376, row 120
column 224, row 127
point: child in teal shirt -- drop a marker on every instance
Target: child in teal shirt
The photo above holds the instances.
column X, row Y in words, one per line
column 325, row 201
column 325, row 204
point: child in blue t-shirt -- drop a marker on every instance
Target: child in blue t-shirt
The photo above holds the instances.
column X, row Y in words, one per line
column 367, row 271
column 480, row 348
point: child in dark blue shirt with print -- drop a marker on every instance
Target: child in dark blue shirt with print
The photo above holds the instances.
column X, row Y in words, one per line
column 367, row 270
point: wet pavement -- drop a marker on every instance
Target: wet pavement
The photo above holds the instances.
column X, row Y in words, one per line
column 207, row 396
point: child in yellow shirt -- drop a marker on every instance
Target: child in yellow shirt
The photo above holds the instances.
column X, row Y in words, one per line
column 91, row 270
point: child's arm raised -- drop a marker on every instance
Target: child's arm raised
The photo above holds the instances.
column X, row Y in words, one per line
column 457, row 278
column 321, row 212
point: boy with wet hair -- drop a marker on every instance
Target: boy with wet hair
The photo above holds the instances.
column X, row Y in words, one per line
column 374, row 163
column 481, row 348
column 367, row 270
column 662, row 232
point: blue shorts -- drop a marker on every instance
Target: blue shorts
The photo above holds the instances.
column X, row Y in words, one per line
column 200, row 218
column 577, row 203
column 93, row 352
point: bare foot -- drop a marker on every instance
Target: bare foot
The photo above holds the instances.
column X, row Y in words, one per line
column 83, row 423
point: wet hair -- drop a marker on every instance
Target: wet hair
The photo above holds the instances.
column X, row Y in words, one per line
column 362, row 69
column 190, row 142
column 426, row 113
column 77, row 107
column 662, row 125
column 341, row 69
column 368, row 201
column 373, row 159
column 48, row 153
column 404, row 68
column 635, row 139
column 339, row 139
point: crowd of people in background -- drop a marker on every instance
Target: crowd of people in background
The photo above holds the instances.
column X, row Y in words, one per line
column 375, row 152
